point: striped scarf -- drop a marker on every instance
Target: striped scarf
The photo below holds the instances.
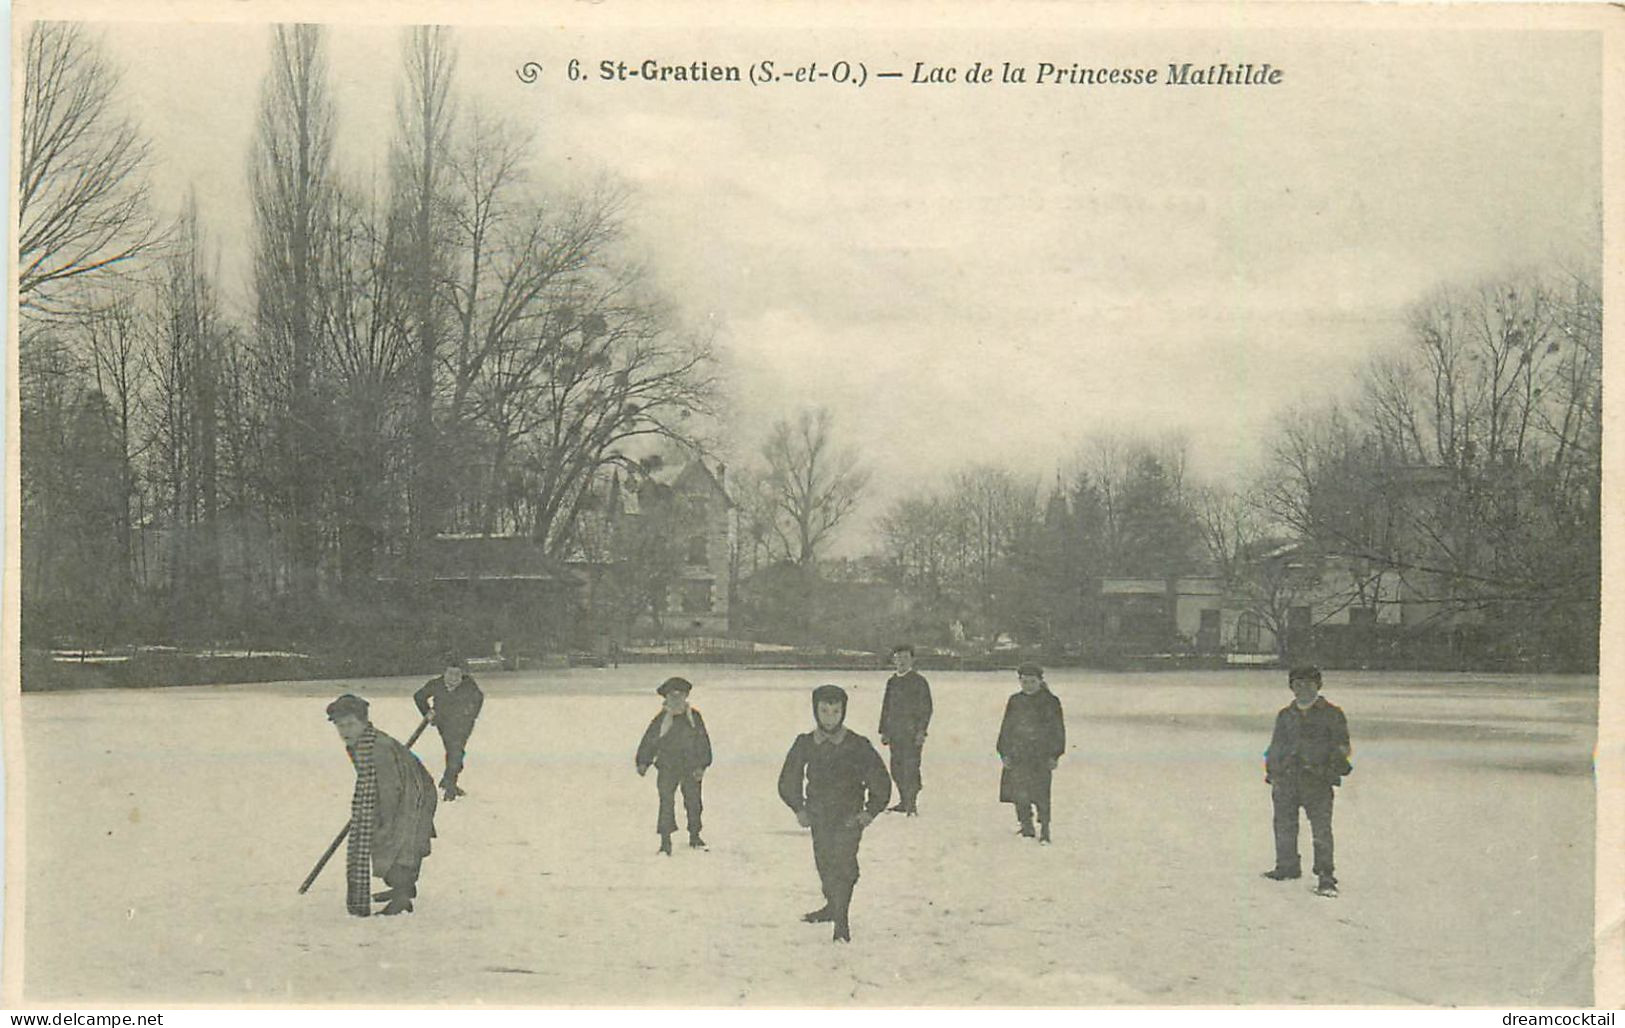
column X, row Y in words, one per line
column 363, row 813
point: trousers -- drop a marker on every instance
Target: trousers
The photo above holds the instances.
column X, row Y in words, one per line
column 456, row 749
column 403, row 878
column 905, row 771
column 1313, row 794
column 835, row 854
column 667, row 783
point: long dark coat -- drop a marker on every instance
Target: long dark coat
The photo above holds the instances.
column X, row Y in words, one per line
column 406, row 804
column 1032, row 734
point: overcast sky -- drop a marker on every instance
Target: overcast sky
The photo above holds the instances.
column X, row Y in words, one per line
column 991, row 273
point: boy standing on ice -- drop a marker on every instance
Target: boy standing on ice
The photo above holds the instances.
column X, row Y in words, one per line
column 905, row 714
column 679, row 747
column 1308, row 755
column 1032, row 739
column 391, row 812
column 836, row 783
column 453, row 703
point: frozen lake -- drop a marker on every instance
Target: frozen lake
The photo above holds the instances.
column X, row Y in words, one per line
column 167, row 832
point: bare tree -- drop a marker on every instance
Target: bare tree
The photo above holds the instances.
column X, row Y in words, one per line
column 814, row 483
column 369, row 364
column 420, row 167
column 120, row 369
column 294, row 189
column 81, row 186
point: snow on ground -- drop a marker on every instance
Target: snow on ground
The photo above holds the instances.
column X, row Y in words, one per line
column 168, row 830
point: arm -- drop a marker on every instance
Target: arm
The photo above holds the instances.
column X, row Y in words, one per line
column 1277, row 744
column 646, row 745
column 478, row 704
column 1003, row 745
column 1342, row 749
column 705, row 741
column 421, row 697
column 925, row 695
column 793, row 776
column 885, row 715
column 877, row 783
column 1059, row 739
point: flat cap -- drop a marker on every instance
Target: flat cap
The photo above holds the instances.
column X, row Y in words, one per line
column 348, row 705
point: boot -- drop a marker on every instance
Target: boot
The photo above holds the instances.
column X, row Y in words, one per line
column 843, row 931
column 695, row 841
column 398, row 905
column 1043, row 832
column 1026, row 828
column 449, row 794
column 821, row 915
column 665, row 843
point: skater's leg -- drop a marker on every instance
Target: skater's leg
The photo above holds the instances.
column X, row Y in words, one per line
column 666, row 783
column 1317, row 804
column 843, row 864
column 456, row 750
column 402, row 879
column 693, row 806
column 1043, row 777
column 905, row 771
column 1284, row 797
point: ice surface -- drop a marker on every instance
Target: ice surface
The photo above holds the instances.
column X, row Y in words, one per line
column 168, row 829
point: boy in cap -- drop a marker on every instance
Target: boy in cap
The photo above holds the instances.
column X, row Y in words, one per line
column 391, row 812
column 1308, row 756
column 905, row 713
column 1032, row 739
column 678, row 745
column 453, row 703
column 836, row 783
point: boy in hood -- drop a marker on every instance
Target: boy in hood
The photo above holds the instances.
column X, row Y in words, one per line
column 837, row 784
column 678, row 746
column 1032, row 739
column 453, row 702
column 391, row 812
column 1308, row 756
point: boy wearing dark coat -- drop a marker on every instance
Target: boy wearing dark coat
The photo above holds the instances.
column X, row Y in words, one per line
column 1308, row 755
column 453, row 702
column 905, row 714
column 1032, row 739
column 678, row 746
column 837, row 785
column 391, row 812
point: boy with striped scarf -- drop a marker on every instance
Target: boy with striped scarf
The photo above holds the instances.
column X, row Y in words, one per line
column 391, row 812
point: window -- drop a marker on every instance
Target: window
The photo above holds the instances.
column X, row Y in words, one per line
column 696, row 597
column 1363, row 617
column 697, row 552
column 1248, row 632
column 1207, row 634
